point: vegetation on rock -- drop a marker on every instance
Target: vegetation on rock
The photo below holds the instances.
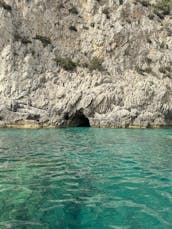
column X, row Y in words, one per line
column 5, row 6
column 66, row 63
column 45, row 40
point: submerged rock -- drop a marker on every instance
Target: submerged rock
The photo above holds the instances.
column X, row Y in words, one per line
column 97, row 63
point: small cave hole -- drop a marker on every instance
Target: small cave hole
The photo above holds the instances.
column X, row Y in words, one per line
column 79, row 120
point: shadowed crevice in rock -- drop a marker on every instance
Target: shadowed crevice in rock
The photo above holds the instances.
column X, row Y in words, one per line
column 168, row 119
column 79, row 120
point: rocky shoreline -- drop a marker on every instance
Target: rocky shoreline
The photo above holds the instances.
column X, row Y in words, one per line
column 92, row 123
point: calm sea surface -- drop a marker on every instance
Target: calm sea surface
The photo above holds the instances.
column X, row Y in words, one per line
column 86, row 178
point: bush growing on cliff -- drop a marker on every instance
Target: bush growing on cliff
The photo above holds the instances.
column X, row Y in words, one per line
column 22, row 39
column 165, row 6
column 165, row 69
column 5, row 6
column 96, row 64
column 73, row 10
column 66, row 63
column 145, row 3
column 142, row 71
column 45, row 40
column 69, row 65
column 160, row 8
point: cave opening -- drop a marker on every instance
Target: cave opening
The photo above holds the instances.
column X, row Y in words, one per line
column 79, row 120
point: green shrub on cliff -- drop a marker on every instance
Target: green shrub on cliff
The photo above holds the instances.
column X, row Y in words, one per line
column 96, row 64
column 5, row 5
column 45, row 40
column 66, row 63
column 145, row 3
column 164, row 6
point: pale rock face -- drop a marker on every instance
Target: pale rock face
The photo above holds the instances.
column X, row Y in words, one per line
column 70, row 63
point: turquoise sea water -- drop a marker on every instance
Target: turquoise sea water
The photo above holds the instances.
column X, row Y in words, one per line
column 86, row 178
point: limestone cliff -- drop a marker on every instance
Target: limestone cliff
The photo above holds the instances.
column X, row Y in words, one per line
column 107, row 63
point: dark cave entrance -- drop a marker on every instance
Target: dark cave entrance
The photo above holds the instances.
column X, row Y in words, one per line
column 79, row 120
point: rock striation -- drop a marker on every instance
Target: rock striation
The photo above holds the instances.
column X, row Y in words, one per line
column 103, row 63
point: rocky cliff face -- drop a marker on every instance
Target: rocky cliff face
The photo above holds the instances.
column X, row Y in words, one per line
column 104, row 63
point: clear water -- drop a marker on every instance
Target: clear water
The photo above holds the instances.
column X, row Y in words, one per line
column 86, row 178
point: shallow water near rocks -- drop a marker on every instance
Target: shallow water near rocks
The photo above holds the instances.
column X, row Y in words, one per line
column 84, row 178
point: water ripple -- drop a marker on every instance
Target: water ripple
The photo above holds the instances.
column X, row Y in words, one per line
column 86, row 178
